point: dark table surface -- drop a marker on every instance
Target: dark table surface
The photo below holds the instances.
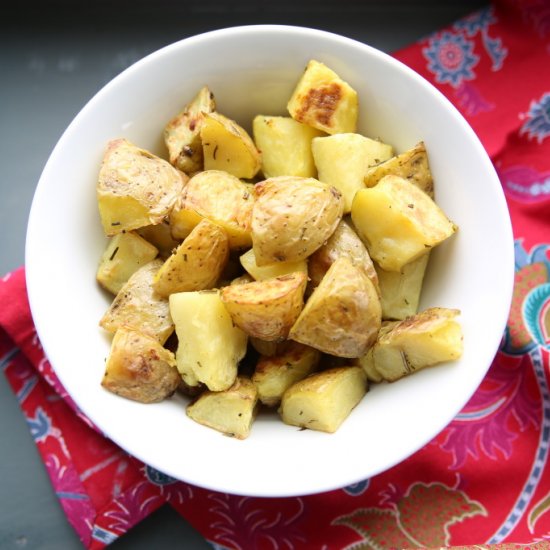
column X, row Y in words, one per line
column 54, row 56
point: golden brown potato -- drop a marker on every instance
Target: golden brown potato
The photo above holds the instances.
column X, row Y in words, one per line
column 398, row 222
column 135, row 188
column 231, row 411
column 266, row 309
column 343, row 160
column 292, row 217
column 285, row 145
column 197, row 263
column 366, row 362
column 343, row 315
column 124, row 255
column 182, row 133
column 160, row 236
column 400, row 290
column 274, row 375
column 343, row 242
column 268, row 348
column 219, row 197
column 428, row 338
column 226, row 146
column 139, row 368
column 139, row 307
column 322, row 401
column 412, row 165
column 259, row 273
column 324, row 101
column 210, row 346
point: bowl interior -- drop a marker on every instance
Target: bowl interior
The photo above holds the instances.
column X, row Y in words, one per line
column 252, row 70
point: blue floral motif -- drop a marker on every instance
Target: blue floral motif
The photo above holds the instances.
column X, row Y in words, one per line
column 40, row 425
column 451, row 58
column 537, row 125
column 476, row 22
column 356, row 489
column 158, row 478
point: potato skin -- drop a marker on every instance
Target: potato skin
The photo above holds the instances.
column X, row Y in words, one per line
column 323, row 400
column 135, row 188
column 292, row 217
column 139, row 368
column 266, row 309
column 197, row 263
column 343, row 315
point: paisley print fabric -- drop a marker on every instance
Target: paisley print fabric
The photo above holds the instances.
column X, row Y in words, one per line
column 484, row 480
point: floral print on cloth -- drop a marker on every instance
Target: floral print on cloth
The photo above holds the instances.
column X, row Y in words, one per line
column 485, row 479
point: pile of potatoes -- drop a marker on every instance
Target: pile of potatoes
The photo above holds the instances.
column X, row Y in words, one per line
column 283, row 269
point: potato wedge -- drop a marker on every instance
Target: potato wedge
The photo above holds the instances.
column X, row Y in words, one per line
column 269, row 271
column 274, row 375
column 160, row 236
column 366, row 362
column 285, row 145
column 138, row 306
column 343, row 242
column 197, row 263
column 343, row 315
column 428, row 338
column 292, row 217
column 219, row 197
column 124, row 255
column 323, row 400
column 324, row 101
column 231, row 411
column 182, row 133
column 135, row 188
column 139, row 368
column 398, row 222
column 226, row 146
column 210, row 346
column 268, row 349
column 412, row 165
column 266, row 309
column 400, row 290
column 343, row 160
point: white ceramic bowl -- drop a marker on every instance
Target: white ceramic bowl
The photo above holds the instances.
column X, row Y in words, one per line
column 253, row 70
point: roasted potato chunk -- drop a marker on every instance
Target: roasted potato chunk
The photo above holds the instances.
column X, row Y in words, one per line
column 197, row 263
column 269, row 271
column 323, row 400
column 324, row 101
column 400, row 290
column 266, row 309
column 412, row 165
column 285, row 145
column 274, row 375
column 343, row 160
column 292, row 217
column 124, row 255
column 428, row 338
column 160, row 236
column 182, row 133
column 226, row 146
column 343, row 315
column 343, row 242
column 135, row 188
column 398, row 222
column 231, row 411
column 210, row 346
column 138, row 306
column 139, row 368
column 219, row 197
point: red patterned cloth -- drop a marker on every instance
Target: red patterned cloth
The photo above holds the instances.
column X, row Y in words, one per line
column 486, row 478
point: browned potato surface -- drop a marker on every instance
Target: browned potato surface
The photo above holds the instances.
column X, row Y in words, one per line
column 182, row 133
column 197, row 263
column 139, row 368
column 219, row 197
column 139, row 307
column 135, row 188
column 292, row 217
column 343, row 315
column 268, row 271
column 322, row 401
column 266, row 309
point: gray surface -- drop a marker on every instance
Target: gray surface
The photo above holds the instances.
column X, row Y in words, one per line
column 53, row 59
